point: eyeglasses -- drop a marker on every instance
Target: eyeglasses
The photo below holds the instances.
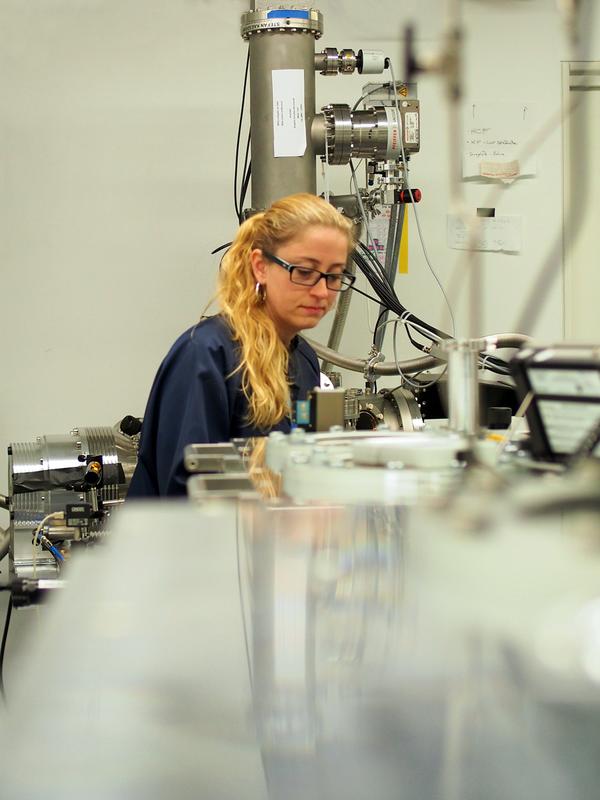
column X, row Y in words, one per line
column 305, row 276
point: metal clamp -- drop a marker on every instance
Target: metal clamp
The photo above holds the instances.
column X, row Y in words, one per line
column 375, row 357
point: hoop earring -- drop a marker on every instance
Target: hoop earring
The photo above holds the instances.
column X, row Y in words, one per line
column 260, row 292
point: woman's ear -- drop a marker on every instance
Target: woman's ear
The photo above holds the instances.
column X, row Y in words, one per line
column 259, row 266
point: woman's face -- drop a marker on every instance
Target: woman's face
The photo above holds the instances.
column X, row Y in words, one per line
column 293, row 307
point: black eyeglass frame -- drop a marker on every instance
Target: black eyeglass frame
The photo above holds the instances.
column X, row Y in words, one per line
column 346, row 279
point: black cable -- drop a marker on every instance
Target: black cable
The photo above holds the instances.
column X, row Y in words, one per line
column 220, row 247
column 245, row 186
column 3, row 646
column 364, row 294
column 414, row 341
column 375, row 274
column 246, row 171
column 379, row 318
column 237, row 142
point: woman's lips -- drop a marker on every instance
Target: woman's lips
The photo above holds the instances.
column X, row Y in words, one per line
column 313, row 309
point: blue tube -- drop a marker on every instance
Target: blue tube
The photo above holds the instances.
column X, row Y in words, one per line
column 56, row 553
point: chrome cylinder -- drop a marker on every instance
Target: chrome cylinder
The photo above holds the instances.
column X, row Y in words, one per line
column 373, row 133
column 281, row 99
column 43, row 479
column 463, row 386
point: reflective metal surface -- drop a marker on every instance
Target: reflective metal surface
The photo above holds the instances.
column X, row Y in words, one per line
column 323, row 652
column 280, row 44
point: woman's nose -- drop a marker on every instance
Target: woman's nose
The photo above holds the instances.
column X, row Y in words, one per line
column 320, row 289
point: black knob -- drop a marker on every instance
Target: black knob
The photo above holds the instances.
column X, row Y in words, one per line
column 130, row 426
column 499, row 417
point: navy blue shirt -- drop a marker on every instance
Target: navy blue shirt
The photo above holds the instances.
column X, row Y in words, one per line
column 196, row 399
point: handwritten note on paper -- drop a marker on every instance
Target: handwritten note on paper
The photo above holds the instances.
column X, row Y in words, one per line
column 495, row 135
column 497, row 234
column 289, row 126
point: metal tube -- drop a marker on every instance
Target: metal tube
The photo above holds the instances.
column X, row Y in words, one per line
column 463, row 386
column 384, row 368
column 413, row 365
column 343, row 304
column 339, row 321
column 391, row 262
column 272, row 177
column 501, row 340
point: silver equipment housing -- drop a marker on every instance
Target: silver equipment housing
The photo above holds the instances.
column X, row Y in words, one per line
column 43, row 478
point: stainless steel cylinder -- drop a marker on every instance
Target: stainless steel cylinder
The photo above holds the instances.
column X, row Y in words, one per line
column 282, row 101
column 43, row 479
column 463, row 386
column 372, row 133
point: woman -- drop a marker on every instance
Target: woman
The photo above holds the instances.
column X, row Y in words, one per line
column 239, row 373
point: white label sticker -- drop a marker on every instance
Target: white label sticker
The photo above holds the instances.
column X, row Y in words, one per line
column 411, row 127
column 393, row 141
column 289, row 126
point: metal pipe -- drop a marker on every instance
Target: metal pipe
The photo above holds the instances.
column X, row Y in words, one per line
column 383, row 368
column 391, row 262
column 410, row 366
column 463, row 386
column 339, row 321
column 506, row 340
column 343, row 304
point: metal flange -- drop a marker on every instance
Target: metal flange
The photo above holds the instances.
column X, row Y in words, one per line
column 282, row 20
column 338, row 130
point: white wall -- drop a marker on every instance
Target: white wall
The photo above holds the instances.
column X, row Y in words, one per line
column 117, row 131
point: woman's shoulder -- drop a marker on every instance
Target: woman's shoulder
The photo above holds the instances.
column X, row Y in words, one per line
column 208, row 332
column 211, row 330
column 210, row 336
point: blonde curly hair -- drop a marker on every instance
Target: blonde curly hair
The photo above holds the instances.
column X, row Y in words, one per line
column 264, row 357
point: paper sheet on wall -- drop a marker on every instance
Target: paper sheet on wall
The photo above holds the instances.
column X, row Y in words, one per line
column 379, row 229
column 497, row 234
column 289, row 127
column 495, row 134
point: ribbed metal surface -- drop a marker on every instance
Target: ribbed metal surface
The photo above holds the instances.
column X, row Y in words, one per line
column 112, row 491
column 101, row 442
column 26, row 457
column 351, row 408
column 49, row 457
column 28, row 509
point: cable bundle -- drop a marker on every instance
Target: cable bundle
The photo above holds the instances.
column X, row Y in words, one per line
column 375, row 274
